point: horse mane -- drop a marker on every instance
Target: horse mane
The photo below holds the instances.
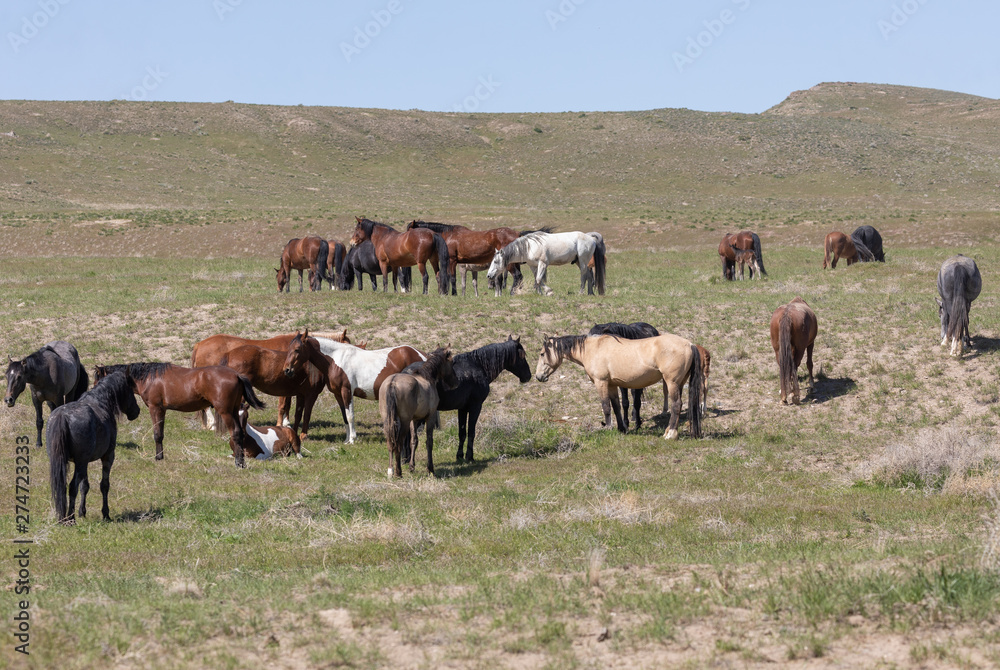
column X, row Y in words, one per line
column 864, row 253
column 431, row 368
column 632, row 331
column 430, row 225
column 543, row 229
column 108, row 393
column 139, row 372
column 565, row 344
column 518, row 246
column 492, row 358
column 367, row 225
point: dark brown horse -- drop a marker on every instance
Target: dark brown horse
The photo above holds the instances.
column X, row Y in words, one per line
column 163, row 386
column 734, row 242
column 473, row 247
column 793, row 332
column 412, row 247
column 308, row 253
column 838, row 245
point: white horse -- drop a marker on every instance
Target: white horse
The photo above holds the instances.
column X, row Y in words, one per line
column 540, row 250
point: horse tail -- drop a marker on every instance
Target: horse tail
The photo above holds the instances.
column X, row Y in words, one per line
column 319, row 271
column 444, row 277
column 82, row 382
column 786, row 357
column 397, row 433
column 249, row 395
column 600, row 261
column 958, row 310
column 865, row 254
column 757, row 253
column 695, row 382
column 58, row 438
column 339, row 254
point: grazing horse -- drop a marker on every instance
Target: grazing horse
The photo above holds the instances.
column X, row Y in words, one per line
column 475, row 371
column 308, row 253
column 959, row 283
column 793, row 333
column 838, row 245
column 264, row 442
column 335, row 263
column 360, row 260
column 540, row 250
column 164, row 386
column 407, row 398
column 53, row 374
column 83, row 431
column 868, row 237
column 412, row 247
column 613, row 363
column 741, row 241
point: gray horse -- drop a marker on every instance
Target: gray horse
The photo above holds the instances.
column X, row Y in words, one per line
column 54, row 375
column 959, row 283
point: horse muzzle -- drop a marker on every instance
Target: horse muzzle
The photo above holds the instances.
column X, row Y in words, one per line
column 543, row 377
column 289, row 372
column 9, row 401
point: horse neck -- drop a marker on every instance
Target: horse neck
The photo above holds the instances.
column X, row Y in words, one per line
column 492, row 359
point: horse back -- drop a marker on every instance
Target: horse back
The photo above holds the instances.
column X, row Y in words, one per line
column 639, row 363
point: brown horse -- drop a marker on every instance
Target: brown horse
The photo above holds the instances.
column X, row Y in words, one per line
column 840, row 246
column 407, row 398
column 308, row 253
column 163, row 386
column 413, row 247
column 211, row 350
column 793, row 332
column 612, row 363
column 735, row 242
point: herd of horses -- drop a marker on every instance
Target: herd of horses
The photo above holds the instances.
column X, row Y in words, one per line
column 411, row 387
column 377, row 249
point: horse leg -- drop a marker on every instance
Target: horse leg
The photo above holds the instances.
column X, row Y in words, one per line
column 453, row 275
column 674, row 392
column 423, row 275
column 300, row 281
column 475, row 284
column 74, row 486
column 473, row 421
column 414, row 442
column 156, row 414
column 106, row 462
column 463, row 420
column 540, row 271
column 809, row 366
column 616, row 406
column 517, row 278
column 37, row 402
column 299, row 410
column 84, row 488
column 349, row 411
column 431, row 420
column 284, row 405
column 636, row 404
column 305, row 419
column 236, row 435
column 624, row 392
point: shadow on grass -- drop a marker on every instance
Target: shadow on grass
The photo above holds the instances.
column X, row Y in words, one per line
column 458, row 468
column 130, row 445
column 144, row 516
column 828, row 388
column 983, row 345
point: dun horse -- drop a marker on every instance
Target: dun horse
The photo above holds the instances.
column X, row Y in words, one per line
column 53, row 374
column 793, row 332
column 412, row 247
column 733, row 243
column 83, row 431
column 959, row 283
column 540, row 250
column 838, row 245
column 308, row 253
column 613, row 363
column 408, row 398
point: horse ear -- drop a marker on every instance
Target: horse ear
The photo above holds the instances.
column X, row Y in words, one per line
column 276, row 270
column 358, row 219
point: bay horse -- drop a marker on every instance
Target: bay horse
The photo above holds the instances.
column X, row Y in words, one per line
column 540, row 250
column 360, row 260
column 396, row 249
column 164, row 386
column 793, row 333
column 408, row 398
column 53, row 375
column 359, row 373
column 959, row 283
column 613, row 363
column 731, row 243
column 83, row 431
column 838, row 245
column 265, row 442
column 870, row 238
column 475, row 371
column 335, row 263
column 308, row 253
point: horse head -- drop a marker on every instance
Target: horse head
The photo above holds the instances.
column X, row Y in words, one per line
column 360, row 232
column 15, row 381
column 282, row 278
column 298, row 354
column 447, row 376
column 519, row 367
column 496, row 265
column 549, row 359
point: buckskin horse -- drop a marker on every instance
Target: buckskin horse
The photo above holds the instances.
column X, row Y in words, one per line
column 741, row 241
column 308, row 253
column 793, row 333
column 53, row 375
column 613, row 363
column 959, row 283
column 396, row 249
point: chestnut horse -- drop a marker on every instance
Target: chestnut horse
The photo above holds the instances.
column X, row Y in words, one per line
column 613, row 363
column 793, row 332
column 412, row 247
column 838, row 245
column 163, row 386
column 734, row 242
column 308, row 253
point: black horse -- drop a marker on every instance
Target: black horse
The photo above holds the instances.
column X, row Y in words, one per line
column 83, row 431
column 476, row 370
column 869, row 238
column 360, row 260
column 959, row 283
column 53, row 374
column 630, row 331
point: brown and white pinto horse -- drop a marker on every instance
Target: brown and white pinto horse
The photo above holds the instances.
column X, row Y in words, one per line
column 741, row 241
column 308, row 253
column 612, row 363
column 412, row 247
column 163, row 386
column 793, row 332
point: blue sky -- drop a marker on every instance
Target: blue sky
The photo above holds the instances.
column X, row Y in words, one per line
column 492, row 55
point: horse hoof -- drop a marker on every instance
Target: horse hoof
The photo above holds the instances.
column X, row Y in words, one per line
column 299, row 456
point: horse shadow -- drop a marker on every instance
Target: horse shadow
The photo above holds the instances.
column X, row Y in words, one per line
column 983, row 345
column 144, row 516
column 828, row 388
column 130, row 445
column 458, row 468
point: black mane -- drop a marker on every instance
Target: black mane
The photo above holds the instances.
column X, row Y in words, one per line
column 492, row 358
column 431, row 369
column 630, row 331
column 566, row 344
column 139, row 372
column 109, row 394
column 436, row 227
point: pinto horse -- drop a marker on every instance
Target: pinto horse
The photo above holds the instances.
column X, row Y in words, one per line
column 838, row 245
column 163, row 386
column 613, row 363
column 308, row 253
column 731, row 244
column 959, row 283
column 83, row 431
column 540, row 250
column 53, row 374
column 412, row 247
column 793, row 332
column 408, row 398
column 267, row 441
